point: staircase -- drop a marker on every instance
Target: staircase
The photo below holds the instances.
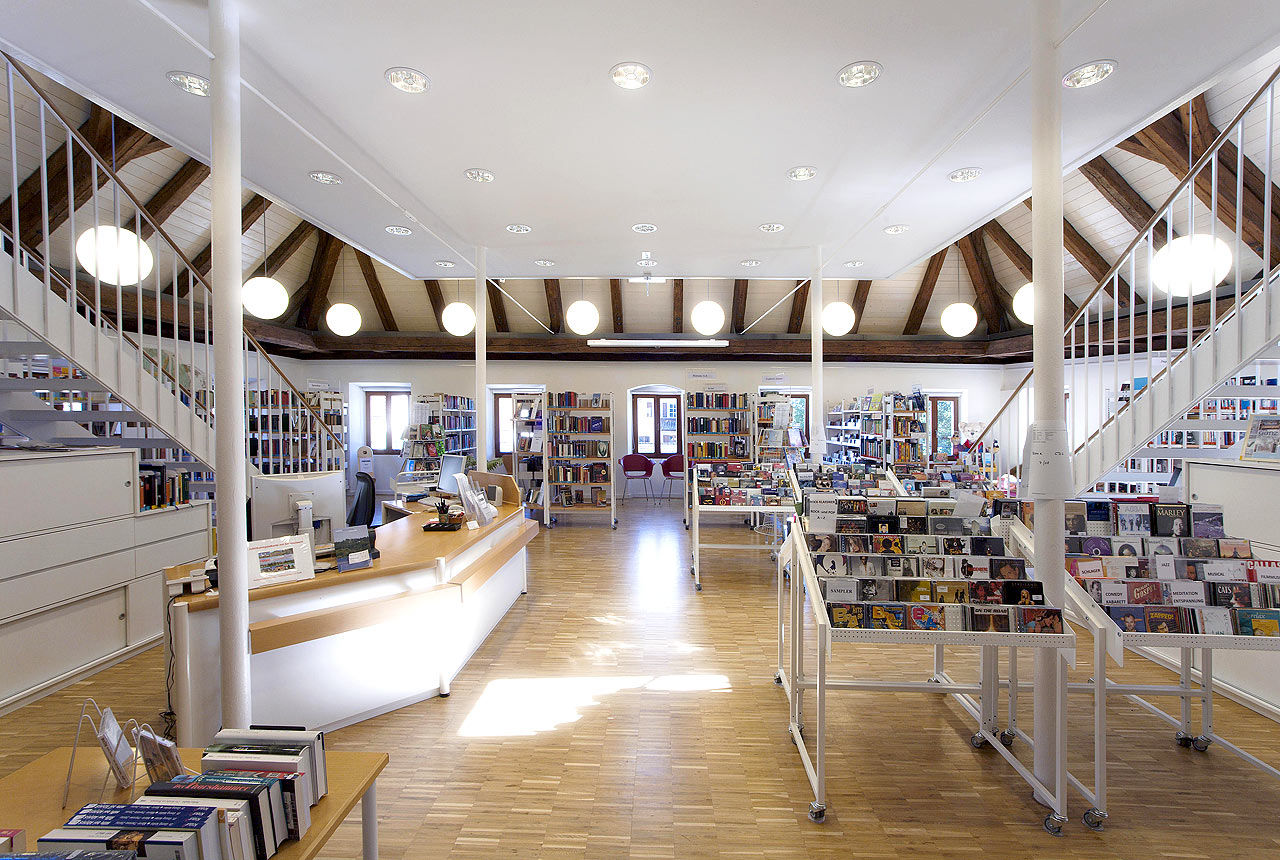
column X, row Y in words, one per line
column 1142, row 359
column 87, row 361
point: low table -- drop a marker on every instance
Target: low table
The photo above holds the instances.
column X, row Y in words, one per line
column 31, row 797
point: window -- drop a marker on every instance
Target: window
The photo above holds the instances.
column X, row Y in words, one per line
column 799, row 410
column 944, row 427
column 503, row 423
column 388, row 417
column 655, row 424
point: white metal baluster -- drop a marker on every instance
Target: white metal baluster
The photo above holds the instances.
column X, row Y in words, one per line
column 191, row 353
column 99, row 324
column 1115, row 356
column 44, row 223
column 1266, row 208
column 177, row 349
column 142, row 344
column 13, row 178
column 1239, row 316
column 1072, row 431
column 1211, row 341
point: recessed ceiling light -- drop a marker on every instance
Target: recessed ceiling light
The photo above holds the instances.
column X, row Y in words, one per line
column 445, row 264
column 324, row 177
column 519, row 228
column 859, row 73
column 965, row 174
column 853, row 264
column 749, row 263
column 630, row 76
column 544, row 262
column 408, row 80
column 478, row 174
column 1088, row 74
column 189, row 82
column 897, row 229
column 801, row 173
column 398, row 230
column 646, row 263
column 771, row 228
column 644, row 228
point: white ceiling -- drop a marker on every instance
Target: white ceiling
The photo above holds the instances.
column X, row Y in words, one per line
column 740, row 93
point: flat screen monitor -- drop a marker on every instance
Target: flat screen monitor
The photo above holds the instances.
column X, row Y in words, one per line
column 275, row 497
column 451, row 465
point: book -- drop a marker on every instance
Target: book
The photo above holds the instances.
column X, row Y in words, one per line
column 882, row 590
column 1038, row 619
column 1130, row 619
column 1159, row 546
column 1258, row 622
column 972, row 567
column 295, row 794
column 1170, row 520
column 286, row 758
column 920, row 544
column 202, row 821
column 12, row 841
column 830, row 564
column 1075, row 512
column 1163, row 619
column 1096, row 546
column 940, row 525
column 1144, row 592
column 1206, row 521
column 955, row 546
column 1098, row 519
column 1183, row 593
column 935, row 567
column 159, row 755
column 312, row 739
column 268, row 813
column 985, row 591
column 989, row 619
column 888, row 616
column 129, row 842
column 886, row 544
column 899, row 566
column 1008, row 568
column 920, row 617
column 352, row 547
column 1127, row 546
column 986, row 546
column 239, row 833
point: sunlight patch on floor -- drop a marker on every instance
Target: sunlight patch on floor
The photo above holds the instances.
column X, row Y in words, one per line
column 523, row 707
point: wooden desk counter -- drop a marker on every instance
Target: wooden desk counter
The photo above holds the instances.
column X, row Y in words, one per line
column 31, row 797
column 403, row 545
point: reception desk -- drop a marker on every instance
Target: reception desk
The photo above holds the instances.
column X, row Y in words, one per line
column 342, row 647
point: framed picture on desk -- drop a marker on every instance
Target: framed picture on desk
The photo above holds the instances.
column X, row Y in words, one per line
column 282, row 559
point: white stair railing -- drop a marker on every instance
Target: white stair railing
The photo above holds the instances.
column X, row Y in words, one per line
column 1174, row 317
column 135, row 316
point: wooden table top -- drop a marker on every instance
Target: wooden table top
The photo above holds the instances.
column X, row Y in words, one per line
column 404, row 547
column 31, row 797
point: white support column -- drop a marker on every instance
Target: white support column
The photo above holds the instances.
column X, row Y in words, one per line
column 817, row 409
column 482, row 370
column 228, row 363
column 1049, row 421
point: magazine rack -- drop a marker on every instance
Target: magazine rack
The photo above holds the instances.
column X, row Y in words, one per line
column 979, row 699
column 124, row 775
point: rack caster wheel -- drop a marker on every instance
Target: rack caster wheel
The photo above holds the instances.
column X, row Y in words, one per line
column 1200, row 744
column 817, row 812
column 979, row 742
column 697, row 586
column 777, row 679
column 1007, row 737
column 1093, row 819
column 1183, row 739
column 1053, row 823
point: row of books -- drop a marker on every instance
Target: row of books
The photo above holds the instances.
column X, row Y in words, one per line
column 935, row 566
column 254, row 794
column 270, row 422
column 159, row 487
column 1019, row 592
column 889, row 506
column 568, row 497
column 274, row 448
column 574, row 400
column 458, row 402
column 270, row 397
column 982, row 619
column 734, row 449
column 578, row 424
column 1123, row 592
column 458, row 421
column 709, row 400
column 595, row 473
column 558, row 447
column 733, row 424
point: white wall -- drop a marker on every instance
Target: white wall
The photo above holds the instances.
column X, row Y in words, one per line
column 978, row 385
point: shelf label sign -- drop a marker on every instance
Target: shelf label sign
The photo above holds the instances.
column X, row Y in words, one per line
column 822, row 513
column 700, row 374
column 318, row 385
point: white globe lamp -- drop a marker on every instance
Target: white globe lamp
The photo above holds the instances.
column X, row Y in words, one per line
column 582, row 317
column 1190, row 265
column 458, row 318
column 343, row 319
column 114, row 255
column 265, row 298
column 959, row 319
column 838, row 319
column 707, row 317
column 1024, row 304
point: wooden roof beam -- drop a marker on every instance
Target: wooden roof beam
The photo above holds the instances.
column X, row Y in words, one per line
column 202, row 262
column 436, row 296
column 385, row 316
column 1122, row 196
column 738, row 320
column 497, row 306
column 799, row 302
column 924, row 294
column 174, row 193
column 860, row 293
column 983, row 281
column 615, row 304
column 1019, row 257
column 677, row 306
column 1093, row 262
column 555, row 309
column 311, row 296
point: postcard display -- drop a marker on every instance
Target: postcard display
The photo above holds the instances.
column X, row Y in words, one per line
column 754, row 489
column 873, row 568
column 1154, row 575
column 579, row 462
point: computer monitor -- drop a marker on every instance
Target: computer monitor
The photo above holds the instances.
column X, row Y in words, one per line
column 451, row 465
column 275, row 500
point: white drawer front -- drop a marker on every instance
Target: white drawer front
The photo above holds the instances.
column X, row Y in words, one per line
column 157, row 556
column 152, row 526
column 62, row 640
column 54, row 585
column 62, row 491
column 24, row 555
column 146, row 598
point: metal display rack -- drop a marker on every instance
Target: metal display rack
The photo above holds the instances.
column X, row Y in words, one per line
column 698, row 405
column 528, row 416
column 779, row 514
column 564, row 408
column 980, row 699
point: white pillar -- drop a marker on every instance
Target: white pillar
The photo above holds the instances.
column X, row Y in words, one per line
column 817, row 409
column 1046, row 249
column 482, row 370
column 228, row 364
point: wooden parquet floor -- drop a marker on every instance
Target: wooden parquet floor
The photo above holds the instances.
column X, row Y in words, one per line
column 617, row 713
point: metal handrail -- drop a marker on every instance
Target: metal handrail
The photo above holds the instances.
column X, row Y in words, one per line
column 1160, row 214
column 157, row 229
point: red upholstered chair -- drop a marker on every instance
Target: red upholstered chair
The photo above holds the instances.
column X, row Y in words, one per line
column 672, row 471
column 636, row 467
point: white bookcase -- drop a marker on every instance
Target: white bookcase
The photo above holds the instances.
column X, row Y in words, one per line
column 577, row 452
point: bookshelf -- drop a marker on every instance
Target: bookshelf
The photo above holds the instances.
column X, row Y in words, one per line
column 322, row 451
column 579, row 460
column 776, row 434
column 271, row 417
column 458, row 417
column 719, row 428
column 844, row 432
column 873, row 446
column 529, row 458
column 907, row 427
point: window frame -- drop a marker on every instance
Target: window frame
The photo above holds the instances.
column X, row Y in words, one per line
column 369, row 394
column 657, row 397
column 954, row 399
column 498, row 396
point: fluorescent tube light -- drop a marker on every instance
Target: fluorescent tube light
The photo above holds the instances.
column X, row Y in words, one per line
column 657, row 342
column 646, row 280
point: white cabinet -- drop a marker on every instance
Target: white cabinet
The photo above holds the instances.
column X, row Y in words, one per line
column 81, row 570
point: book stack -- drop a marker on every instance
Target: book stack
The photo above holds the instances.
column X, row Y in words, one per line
column 1170, row 568
column 256, row 793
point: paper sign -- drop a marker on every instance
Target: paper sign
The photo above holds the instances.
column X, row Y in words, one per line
column 700, row 373
column 318, row 385
column 1046, row 464
column 822, row 513
column 773, row 379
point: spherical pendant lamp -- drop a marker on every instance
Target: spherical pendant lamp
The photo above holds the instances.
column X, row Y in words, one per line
column 1190, row 265
column 582, row 317
column 114, row 255
column 458, row 318
column 707, row 318
column 265, row 298
column 343, row 319
column 959, row 319
column 1024, row 304
column 838, row 319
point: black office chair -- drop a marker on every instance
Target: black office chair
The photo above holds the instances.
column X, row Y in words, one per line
column 363, row 509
